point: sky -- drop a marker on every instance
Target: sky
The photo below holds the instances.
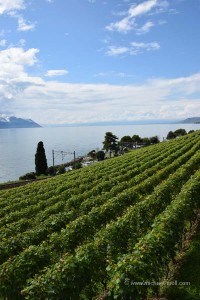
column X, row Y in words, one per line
column 87, row 61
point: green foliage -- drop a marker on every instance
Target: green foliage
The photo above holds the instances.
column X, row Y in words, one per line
column 171, row 135
column 180, row 132
column 146, row 141
column 154, row 140
column 77, row 165
column 110, row 141
column 40, row 160
column 191, row 131
column 153, row 252
column 136, row 138
column 100, row 155
column 28, row 176
column 126, row 141
column 188, row 273
column 177, row 133
column 51, row 171
column 61, row 169
column 88, row 233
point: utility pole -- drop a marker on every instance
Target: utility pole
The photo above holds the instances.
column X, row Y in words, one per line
column 74, row 160
column 63, row 154
column 53, row 158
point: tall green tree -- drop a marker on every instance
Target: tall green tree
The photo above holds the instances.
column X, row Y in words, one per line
column 136, row 138
column 110, row 142
column 126, row 141
column 180, row 132
column 154, row 140
column 100, row 155
column 171, row 135
column 146, row 141
column 40, row 160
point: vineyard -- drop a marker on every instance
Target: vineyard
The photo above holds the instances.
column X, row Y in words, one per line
column 104, row 232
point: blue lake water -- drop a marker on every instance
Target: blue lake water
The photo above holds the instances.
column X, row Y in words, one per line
column 18, row 146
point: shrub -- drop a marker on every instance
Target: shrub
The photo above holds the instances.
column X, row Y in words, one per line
column 61, row 169
column 28, row 176
column 100, row 155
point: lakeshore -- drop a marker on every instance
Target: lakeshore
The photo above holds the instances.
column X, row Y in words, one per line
column 18, row 146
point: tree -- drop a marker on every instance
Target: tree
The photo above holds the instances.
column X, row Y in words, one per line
column 40, row 160
column 61, row 169
column 51, row 171
column 171, row 135
column 136, row 138
column 180, row 132
column 92, row 154
column 100, row 155
column 110, row 142
column 126, row 141
column 154, row 140
column 77, row 165
column 28, row 176
column 146, row 141
column 191, row 131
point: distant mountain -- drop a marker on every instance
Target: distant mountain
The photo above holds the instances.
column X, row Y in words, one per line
column 13, row 122
column 191, row 120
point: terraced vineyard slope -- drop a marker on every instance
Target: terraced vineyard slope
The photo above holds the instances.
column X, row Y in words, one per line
column 102, row 232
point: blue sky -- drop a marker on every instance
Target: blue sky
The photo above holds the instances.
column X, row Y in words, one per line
column 80, row 61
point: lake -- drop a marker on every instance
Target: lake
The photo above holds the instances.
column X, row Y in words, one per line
column 18, row 146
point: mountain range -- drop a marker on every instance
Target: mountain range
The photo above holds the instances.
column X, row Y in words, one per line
column 14, row 122
column 191, row 120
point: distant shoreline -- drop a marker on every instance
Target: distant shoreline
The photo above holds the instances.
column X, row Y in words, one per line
column 31, row 124
column 113, row 123
column 195, row 120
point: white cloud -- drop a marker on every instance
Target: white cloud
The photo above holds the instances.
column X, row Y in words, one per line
column 133, row 49
column 115, row 51
column 137, row 47
column 124, row 25
column 11, row 5
column 53, row 73
column 12, row 71
column 162, row 7
column 142, row 8
column 18, row 56
column 72, row 103
column 128, row 22
column 13, row 77
column 145, row 28
column 24, row 25
column 29, row 96
column 113, row 74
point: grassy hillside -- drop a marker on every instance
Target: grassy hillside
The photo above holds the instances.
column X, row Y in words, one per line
column 103, row 232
